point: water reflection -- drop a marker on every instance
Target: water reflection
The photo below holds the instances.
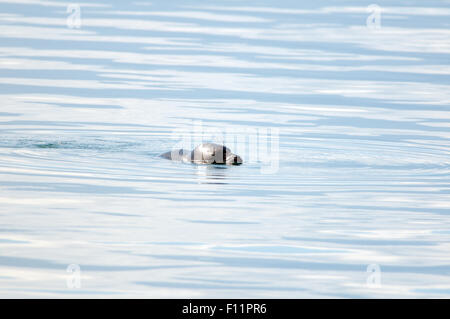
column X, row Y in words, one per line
column 212, row 174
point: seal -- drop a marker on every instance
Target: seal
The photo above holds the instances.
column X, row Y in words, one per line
column 206, row 153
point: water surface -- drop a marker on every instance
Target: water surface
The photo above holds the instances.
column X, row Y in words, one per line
column 362, row 112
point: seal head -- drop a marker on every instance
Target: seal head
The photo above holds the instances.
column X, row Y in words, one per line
column 210, row 153
column 206, row 153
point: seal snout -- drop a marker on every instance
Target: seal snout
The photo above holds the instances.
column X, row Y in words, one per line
column 234, row 159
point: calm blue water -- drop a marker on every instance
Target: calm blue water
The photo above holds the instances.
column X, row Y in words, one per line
column 359, row 112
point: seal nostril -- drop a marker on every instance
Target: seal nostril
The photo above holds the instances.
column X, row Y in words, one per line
column 237, row 160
